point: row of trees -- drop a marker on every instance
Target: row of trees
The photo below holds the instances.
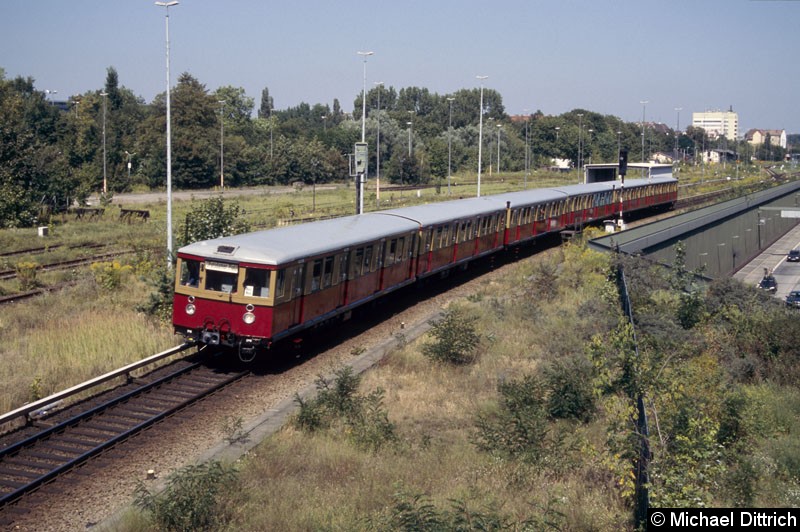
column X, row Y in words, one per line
column 52, row 153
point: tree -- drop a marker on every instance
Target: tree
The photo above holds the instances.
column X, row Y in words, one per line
column 267, row 104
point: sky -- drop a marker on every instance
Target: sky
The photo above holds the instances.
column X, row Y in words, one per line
column 606, row 56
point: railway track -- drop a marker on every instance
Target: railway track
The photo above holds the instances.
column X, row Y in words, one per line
column 46, row 249
column 65, row 440
column 66, row 264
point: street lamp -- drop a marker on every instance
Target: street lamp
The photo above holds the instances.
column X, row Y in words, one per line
column 580, row 140
column 409, row 138
column 363, row 175
column 378, row 84
column 48, row 92
column 480, row 134
column 167, row 5
column 449, row 143
column 527, row 149
column 677, row 128
column 499, row 127
column 221, row 144
column 129, row 154
column 105, row 180
column 644, row 106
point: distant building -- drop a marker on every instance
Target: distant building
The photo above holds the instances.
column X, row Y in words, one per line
column 718, row 156
column 757, row 137
column 718, row 123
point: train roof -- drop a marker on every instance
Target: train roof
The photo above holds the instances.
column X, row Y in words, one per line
column 445, row 211
column 283, row 245
column 286, row 244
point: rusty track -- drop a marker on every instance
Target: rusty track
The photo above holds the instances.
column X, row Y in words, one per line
column 65, row 264
column 39, row 459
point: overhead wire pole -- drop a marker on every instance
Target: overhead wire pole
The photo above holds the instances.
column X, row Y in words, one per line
column 480, row 135
column 362, row 175
column 167, row 5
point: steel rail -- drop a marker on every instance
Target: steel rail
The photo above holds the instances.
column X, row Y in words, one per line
column 42, row 404
column 123, row 435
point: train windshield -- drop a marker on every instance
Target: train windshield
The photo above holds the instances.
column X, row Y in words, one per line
column 222, row 277
column 190, row 272
column 256, row 282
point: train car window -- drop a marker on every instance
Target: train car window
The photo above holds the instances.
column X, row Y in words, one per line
column 190, row 272
column 316, row 275
column 256, row 282
column 343, row 264
column 368, row 267
column 327, row 272
column 280, row 283
column 401, row 248
column 358, row 263
column 391, row 253
column 438, row 241
column 222, row 277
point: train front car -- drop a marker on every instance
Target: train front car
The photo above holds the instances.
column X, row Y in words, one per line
column 248, row 291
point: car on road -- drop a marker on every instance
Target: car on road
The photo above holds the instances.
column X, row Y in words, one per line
column 793, row 299
column 768, row 283
column 793, row 256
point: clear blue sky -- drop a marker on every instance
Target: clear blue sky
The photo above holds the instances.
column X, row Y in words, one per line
column 553, row 55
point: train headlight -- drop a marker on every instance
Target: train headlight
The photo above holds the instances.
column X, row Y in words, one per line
column 190, row 308
column 249, row 317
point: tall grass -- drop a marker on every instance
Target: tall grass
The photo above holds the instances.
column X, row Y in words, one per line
column 57, row 340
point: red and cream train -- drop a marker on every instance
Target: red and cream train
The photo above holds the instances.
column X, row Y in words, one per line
column 251, row 290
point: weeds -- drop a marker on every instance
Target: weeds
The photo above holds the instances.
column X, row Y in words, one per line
column 455, row 338
column 233, row 429
column 191, row 499
column 26, row 275
column 363, row 417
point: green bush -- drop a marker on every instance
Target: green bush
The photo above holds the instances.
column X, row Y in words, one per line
column 362, row 417
column 455, row 338
column 191, row 500
column 519, row 429
column 26, row 275
column 571, row 394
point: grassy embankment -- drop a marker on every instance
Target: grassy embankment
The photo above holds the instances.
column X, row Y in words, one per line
column 536, row 433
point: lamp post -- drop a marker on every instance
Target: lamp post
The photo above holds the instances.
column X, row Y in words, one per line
column 48, row 92
column 167, row 5
column 480, row 134
column 105, row 179
column 527, row 150
column 221, row 144
column 129, row 154
column 409, row 138
column 499, row 127
column 619, row 143
column 644, row 106
column 580, row 141
column 378, row 84
column 449, row 143
column 362, row 177
column 677, row 128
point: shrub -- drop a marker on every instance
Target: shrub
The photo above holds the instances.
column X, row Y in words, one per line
column 455, row 338
column 570, row 391
column 363, row 418
column 190, row 500
column 109, row 275
column 520, row 428
column 26, row 275
column 159, row 303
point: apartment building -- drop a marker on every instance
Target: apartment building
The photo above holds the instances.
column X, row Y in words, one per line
column 718, row 123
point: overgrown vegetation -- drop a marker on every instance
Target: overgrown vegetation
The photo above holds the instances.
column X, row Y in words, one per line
column 537, row 432
column 362, row 418
column 192, row 499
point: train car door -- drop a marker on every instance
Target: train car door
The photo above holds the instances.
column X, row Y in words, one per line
column 344, row 267
column 297, row 301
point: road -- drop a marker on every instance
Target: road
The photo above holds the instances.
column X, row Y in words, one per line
column 787, row 274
